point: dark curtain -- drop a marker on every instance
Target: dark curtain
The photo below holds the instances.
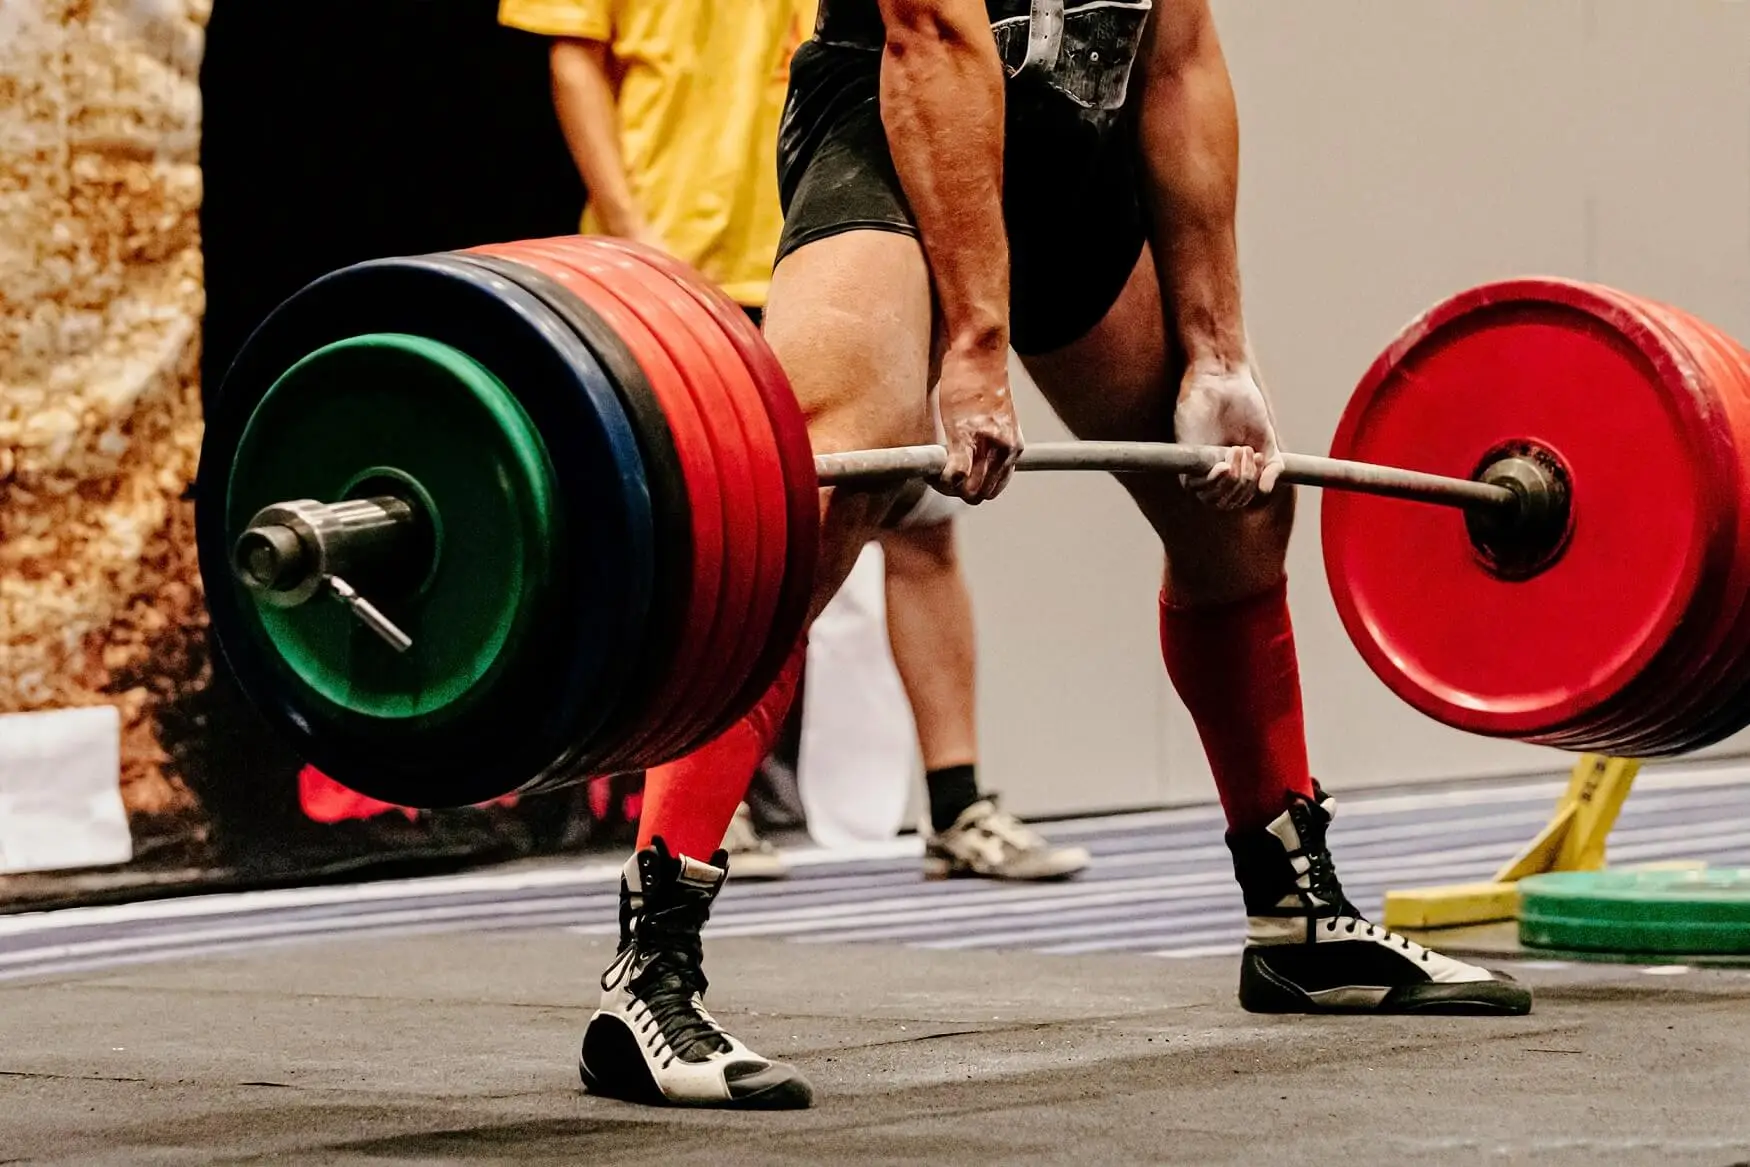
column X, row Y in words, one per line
column 342, row 130
column 336, row 131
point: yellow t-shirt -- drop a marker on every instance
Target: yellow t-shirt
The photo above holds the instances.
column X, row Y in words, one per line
column 702, row 87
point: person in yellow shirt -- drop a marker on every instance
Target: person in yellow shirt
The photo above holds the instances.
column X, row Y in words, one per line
column 671, row 112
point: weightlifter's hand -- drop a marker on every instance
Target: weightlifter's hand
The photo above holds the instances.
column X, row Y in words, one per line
column 1222, row 406
column 979, row 425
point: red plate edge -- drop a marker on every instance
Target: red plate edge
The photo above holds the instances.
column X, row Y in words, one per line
column 706, row 621
column 1535, row 290
column 746, row 407
column 796, row 452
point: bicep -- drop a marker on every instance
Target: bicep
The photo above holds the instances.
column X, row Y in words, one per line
column 570, row 54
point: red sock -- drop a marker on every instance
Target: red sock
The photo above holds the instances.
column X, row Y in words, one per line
column 689, row 802
column 1234, row 667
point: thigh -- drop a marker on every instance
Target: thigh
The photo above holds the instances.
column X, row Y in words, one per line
column 850, row 312
column 1119, row 382
column 850, row 319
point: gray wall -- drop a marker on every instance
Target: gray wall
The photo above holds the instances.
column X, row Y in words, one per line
column 1393, row 153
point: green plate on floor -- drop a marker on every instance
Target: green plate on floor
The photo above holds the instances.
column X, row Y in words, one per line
column 1702, row 912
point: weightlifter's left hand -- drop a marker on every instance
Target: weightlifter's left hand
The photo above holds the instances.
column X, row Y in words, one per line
column 1225, row 406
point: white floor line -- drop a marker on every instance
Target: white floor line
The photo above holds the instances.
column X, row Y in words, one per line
column 1361, row 805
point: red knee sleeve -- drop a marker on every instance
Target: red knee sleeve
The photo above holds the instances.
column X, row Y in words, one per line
column 689, row 802
column 1234, row 667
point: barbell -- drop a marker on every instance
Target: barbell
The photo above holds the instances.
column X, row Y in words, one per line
column 501, row 519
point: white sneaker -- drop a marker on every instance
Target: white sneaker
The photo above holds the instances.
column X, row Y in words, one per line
column 987, row 843
column 751, row 857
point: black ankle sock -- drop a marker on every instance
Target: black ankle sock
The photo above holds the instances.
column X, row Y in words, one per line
column 952, row 790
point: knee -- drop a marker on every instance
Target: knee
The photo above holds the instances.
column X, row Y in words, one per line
column 1258, row 536
column 1215, row 557
column 921, row 552
column 1275, row 518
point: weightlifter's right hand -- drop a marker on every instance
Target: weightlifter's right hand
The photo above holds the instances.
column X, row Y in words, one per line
column 979, row 426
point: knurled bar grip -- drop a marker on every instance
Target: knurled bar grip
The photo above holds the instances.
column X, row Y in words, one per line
column 1163, row 457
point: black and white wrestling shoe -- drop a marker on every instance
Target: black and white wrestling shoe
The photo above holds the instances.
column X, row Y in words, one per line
column 652, row 1041
column 1308, row 950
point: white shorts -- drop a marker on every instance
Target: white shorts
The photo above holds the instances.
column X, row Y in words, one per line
column 931, row 508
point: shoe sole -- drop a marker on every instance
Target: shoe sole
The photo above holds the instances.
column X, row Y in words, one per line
column 636, row 1084
column 1469, row 1005
column 1263, row 991
column 1267, row 990
column 790, row 1094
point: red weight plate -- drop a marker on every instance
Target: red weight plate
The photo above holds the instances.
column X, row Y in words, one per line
column 743, row 406
column 795, row 451
column 1550, row 362
column 693, row 683
column 1663, row 711
column 653, row 300
column 747, row 406
column 759, row 524
column 1730, row 712
column 705, row 490
column 1723, row 647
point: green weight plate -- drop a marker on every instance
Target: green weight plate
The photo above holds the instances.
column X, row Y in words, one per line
column 518, row 730
column 449, row 429
column 1703, row 912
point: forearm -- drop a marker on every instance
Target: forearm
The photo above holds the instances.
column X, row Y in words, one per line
column 1190, row 146
column 583, row 98
column 942, row 105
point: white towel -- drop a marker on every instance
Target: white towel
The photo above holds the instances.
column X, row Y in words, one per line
column 858, row 762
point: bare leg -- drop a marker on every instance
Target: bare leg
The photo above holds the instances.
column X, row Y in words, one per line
column 1119, row 382
column 850, row 320
column 1228, row 645
column 929, row 625
column 1224, row 625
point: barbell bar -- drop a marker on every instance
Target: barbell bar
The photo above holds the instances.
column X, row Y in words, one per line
column 294, row 551
column 558, row 551
column 858, row 466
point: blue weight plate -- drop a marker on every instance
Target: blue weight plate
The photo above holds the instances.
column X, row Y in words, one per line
column 569, row 679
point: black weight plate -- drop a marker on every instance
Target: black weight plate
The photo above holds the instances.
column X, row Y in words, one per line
column 604, row 514
column 671, row 527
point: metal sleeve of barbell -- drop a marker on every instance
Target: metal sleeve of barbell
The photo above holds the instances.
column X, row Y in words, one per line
column 1162, row 457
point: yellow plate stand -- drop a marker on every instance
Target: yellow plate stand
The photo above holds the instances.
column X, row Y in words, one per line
column 1573, row 841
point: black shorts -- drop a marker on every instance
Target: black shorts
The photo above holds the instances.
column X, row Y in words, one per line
column 1070, row 198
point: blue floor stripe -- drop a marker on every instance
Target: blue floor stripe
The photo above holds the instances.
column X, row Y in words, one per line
column 1161, row 883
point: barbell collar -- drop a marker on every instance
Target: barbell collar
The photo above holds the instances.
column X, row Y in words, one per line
column 290, row 549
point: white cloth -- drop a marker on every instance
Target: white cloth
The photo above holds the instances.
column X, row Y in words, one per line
column 931, row 508
column 60, row 790
column 858, row 760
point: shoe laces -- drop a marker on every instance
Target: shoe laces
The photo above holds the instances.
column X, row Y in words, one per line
column 1372, row 931
column 662, row 964
column 1322, row 883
